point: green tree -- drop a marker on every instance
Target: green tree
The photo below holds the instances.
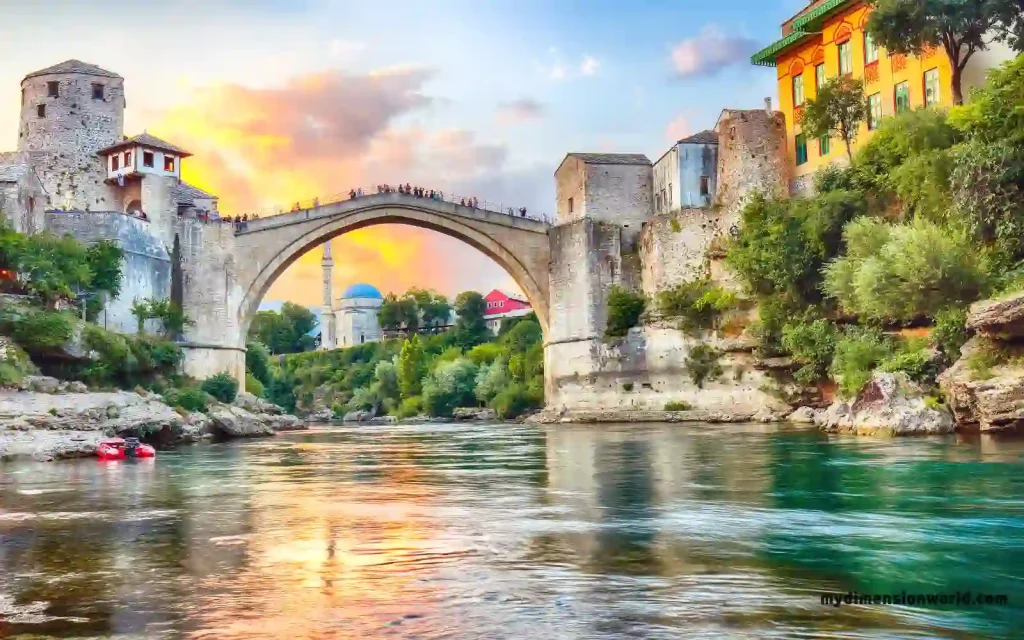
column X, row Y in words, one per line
column 104, row 260
column 836, row 111
column 433, row 307
column 624, row 311
column 412, row 366
column 398, row 313
column 959, row 27
column 284, row 332
column 257, row 362
column 221, row 386
column 470, row 327
column 449, row 386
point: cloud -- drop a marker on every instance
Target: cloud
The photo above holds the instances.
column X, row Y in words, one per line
column 589, row 66
column 710, row 52
column 322, row 134
column 678, row 129
column 519, row 110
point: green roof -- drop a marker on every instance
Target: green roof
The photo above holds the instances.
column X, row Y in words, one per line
column 819, row 12
column 766, row 57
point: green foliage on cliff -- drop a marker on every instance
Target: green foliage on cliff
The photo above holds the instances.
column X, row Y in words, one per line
column 222, row 386
column 697, row 304
column 624, row 311
column 285, row 331
column 702, row 364
column 172, row 319
column 812, row 345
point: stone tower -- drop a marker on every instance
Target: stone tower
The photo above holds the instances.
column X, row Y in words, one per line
column 327, row 337
column 69, row 112
column 751, row 159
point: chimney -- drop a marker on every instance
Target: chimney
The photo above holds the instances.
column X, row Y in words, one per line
column 768, row 106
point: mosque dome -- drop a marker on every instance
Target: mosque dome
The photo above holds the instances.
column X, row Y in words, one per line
column 362, row 290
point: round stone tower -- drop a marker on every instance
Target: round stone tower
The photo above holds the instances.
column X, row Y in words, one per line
column 69, row 112
column 751, row 158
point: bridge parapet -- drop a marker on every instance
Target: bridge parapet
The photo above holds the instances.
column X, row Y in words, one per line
column 528, row 222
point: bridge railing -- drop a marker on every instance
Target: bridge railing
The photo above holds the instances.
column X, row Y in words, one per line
column 461, row 199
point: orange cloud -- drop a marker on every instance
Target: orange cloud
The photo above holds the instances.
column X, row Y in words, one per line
column 260, row 149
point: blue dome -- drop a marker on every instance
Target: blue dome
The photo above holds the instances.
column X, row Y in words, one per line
column 362, row 290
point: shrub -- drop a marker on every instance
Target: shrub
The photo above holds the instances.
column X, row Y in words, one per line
column 678, row 405
column 697, row 304
column 915, row 360
column 858, row 352
column 702, row 364
column 950, row 331
column 409, row 407
column 987, row 184
column 253, row 385
column 773, row 315
column 812, row 346
column 189, row 398
column 14, row 365
column 450, row 385
column 491, row 379
column 904, row 271
column 257, row 361
column 485, row 353
column 282, row 392
column 516, row 399
column 221, row 386
column 624, row 311
column 38, row 331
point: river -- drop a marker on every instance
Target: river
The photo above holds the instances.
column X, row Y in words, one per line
column 512, row 531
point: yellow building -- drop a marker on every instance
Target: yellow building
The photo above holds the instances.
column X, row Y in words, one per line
column 826, row 39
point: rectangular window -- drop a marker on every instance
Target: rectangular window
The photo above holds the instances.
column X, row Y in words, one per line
column 147, row 159
column 41, row 110
column 168, row 163
column 819, row 76
column 798, row 90
column 53, row 89
column 874, row 111
column 902, row 97
column 670, row 195
column 97, row 91
column 128, row 159
column 823, row 146
column 115, row 162
column 705, row 185
column 931, row 87
column 570, row 205
column 801, row 149
column 870, row 49
column 845, row 59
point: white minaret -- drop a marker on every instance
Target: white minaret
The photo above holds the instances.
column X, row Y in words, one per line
column 327, row 315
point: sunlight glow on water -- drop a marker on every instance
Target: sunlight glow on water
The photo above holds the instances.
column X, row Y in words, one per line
column 510, row 531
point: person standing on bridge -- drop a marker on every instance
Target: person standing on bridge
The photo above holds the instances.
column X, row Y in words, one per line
column 359, row 192
column 475, row 203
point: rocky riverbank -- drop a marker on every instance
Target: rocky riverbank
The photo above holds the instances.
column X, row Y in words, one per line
column 47, row 420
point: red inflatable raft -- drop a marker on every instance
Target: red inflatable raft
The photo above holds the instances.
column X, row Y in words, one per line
column 121, row 448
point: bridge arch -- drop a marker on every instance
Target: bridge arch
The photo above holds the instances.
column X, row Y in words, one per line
column 518, row 245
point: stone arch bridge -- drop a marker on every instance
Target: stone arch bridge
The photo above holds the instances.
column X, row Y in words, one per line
column 264, row 248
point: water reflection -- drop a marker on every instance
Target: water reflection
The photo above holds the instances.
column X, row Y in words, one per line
column 505, row 531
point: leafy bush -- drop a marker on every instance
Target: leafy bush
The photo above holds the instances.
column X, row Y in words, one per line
column 491, row 379
column 903, row 272
column 516, row 399
column 282, row 392
column 38, row 331
column 14, row 365
column 222, row 386
column 678, row 405
column 190, row 398
column 773, row 315
column 702, row 364
column 915, row 360
column 987, row 184
column 485, row 353
column 697, row 304
column 901, row 137
column 624, row 311
column 450, row 385
column 253, row 385
column 257, row 361
column 950, row 331
column 409, row 407
column 812, row 346
column 858, row 352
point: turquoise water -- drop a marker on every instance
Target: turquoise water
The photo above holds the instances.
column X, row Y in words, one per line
column 509, row 531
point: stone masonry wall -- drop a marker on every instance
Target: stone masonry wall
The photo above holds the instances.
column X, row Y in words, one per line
column 619, row 193
column 674, row 248
column 63, row 143
column 751, row 158
column 22, row 197
column 146, row 266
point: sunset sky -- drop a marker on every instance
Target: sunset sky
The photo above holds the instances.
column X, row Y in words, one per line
column 282, row 100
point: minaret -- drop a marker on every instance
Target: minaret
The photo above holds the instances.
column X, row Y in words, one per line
column 327, row 315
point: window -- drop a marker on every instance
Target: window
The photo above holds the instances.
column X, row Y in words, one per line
column 931, row 87
column 115, row 162
column 128, row 159
column 845, row 59
column 705, row 185
column 97, row 91
column 501, row 303
column 147, row 159
column 798, row 90
column 902, row 97
column 53, row 89
column 670, row 195
column 823, row 146
column 801, row 149
column 168, row 163
column 870, row 49
column 41, row 110
column 874, row 111
column 570, row 205
column 657, row 202
column 819, row 76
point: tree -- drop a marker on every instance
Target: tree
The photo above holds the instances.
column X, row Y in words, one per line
column 257, row 362
column 960, row 27
column 837, row 110
column 412, row 366
column 399, row 313
column 470, row 327
column 104, row 260
column 434, row 307
column 284, row 332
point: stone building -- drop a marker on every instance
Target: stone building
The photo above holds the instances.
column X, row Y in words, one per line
column 76, row 172
column 685, row 176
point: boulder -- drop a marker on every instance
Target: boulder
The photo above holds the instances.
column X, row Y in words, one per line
column 40, row 384
column 992, row 400
column 284, row 422
column 889, row 404
column 474, row 413
column 253, row 404
column 322, row 415
column 236, row 422
column 358, row 416
column 803, row 415
column 1001, row 318
column 77, row 387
